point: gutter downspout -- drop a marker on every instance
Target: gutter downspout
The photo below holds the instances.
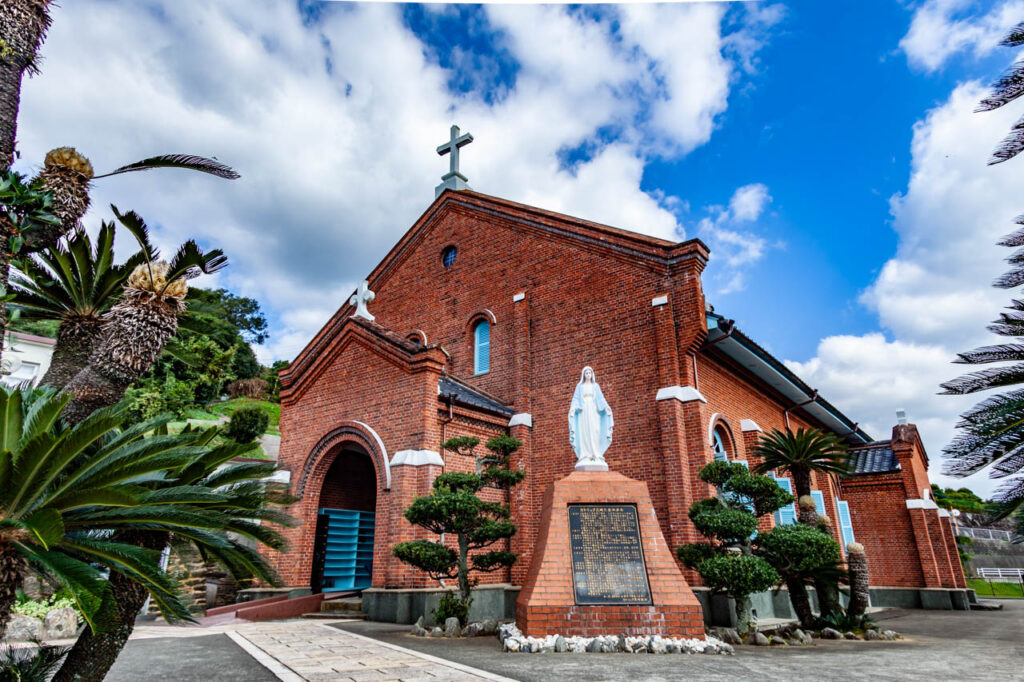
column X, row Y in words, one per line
column 785, row 412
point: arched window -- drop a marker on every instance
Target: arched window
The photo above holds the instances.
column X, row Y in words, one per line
column 718, row 445
column 482, row 347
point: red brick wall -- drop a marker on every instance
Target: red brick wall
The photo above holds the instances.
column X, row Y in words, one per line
column 882, row 524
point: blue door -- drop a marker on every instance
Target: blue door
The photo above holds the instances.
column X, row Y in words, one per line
column 347, row 554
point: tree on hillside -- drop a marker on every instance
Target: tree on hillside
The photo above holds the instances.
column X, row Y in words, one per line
column 240, row 312
column 992, row 432
column 963, row 499
column 456, row 509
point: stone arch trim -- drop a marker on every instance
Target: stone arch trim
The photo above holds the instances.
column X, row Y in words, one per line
column 732, row 446
column 482, row 314
column 352, row 432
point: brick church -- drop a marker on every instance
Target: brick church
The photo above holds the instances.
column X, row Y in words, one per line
column 479, row 322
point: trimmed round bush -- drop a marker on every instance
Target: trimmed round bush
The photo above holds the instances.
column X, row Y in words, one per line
column 247, row 424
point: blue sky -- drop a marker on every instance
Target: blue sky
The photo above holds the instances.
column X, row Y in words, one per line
column 827, row 152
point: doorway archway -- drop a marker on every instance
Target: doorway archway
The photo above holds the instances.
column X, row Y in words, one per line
column 345, row 522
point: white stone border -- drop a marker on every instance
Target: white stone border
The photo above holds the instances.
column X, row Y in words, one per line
column 749, row 425
column 279, row 669
column 416, row 458
column 426, row 657
column 683, row 394
column 659, row 301
column 523, row 418
column 383, row 452
column 921, row 504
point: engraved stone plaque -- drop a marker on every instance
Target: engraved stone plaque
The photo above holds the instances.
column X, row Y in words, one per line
column 607, row 555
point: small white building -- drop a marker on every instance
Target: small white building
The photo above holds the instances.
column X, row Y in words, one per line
column 26, row 358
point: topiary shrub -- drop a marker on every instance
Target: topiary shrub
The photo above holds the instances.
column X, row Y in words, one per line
column 728, row 564
column 247, row 424
column 801, row 554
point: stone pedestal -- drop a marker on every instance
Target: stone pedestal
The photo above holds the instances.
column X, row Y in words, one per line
column 548, row 604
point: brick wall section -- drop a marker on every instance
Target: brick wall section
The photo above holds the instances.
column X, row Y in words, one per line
column 547, row 604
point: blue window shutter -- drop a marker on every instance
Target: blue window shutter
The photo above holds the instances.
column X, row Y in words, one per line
column 482, row 347
column 786, row 515
column 819, row 501
column 719, row 446
column 742, row 461
column 845, row 522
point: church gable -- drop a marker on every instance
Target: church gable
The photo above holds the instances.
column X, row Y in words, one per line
column 467, row 242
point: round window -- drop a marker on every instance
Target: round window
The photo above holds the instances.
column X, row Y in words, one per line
column 448, row 256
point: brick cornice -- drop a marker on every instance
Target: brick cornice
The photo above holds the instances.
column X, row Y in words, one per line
column 367, row 335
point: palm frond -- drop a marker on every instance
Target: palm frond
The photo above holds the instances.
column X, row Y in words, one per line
column 1012, row 144
column 1007, row 88
column 185, row 161
column 1001, row 353
column 190, row 262
column 1015, row 238
column 1015, row 38
column 137, row 227
column 984, row 379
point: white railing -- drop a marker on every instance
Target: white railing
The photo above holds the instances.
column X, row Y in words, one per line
column 985, row 533
column 1012, row 573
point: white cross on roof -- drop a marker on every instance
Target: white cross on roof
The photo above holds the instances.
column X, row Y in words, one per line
column 453, row 179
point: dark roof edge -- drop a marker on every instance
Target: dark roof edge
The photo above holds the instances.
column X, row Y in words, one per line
column 468, row 396
column 772, row 363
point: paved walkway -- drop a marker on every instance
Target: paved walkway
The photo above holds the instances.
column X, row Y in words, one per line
column 297, row 650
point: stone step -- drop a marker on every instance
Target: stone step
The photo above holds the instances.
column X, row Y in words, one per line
column 354, row 604
column 335, row 615
column 986, row 606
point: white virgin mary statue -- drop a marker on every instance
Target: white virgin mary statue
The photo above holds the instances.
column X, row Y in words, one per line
column 590, row 423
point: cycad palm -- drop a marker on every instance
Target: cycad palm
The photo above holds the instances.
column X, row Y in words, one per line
column 138, row 327
column 800, row 453
column 74, row 285
column 992, row 432
column 58, row 486
column 218, row 508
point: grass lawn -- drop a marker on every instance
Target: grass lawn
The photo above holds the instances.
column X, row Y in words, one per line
column 984, row 588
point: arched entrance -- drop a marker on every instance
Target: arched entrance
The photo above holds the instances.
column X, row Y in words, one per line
column 343, row 548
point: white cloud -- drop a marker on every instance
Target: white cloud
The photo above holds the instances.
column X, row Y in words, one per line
column 734, row 246
column 934, row 297
column 332, row 122
column 943, row 28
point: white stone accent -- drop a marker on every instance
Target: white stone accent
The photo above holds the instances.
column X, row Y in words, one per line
column 749, row 425
column 683, row 394
column 921, row 504
column 359, row 299
column 521, row 419
column 281, row 476
column 518, row 297
column 944, row 513
column 659, row 300
column 383, row 452
column 416, row 458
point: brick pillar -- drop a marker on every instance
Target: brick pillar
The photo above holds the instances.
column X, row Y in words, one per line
column 524, row 511
column 941, row 549
column 524, row 499
column 670, row 421
column 922, row 538
column 950, row 538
